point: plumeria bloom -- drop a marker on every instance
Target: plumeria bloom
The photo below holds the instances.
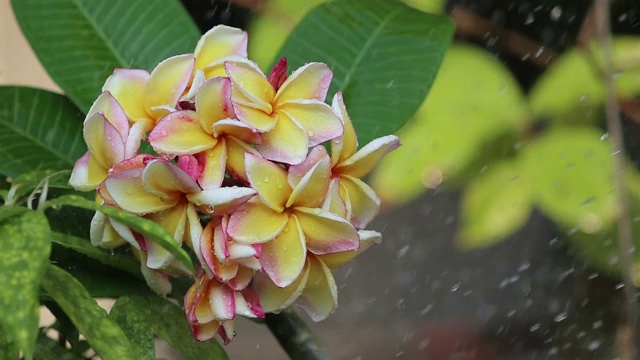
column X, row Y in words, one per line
column 218, row 45
column 286, row 217
column 349, row 196
column 291, row 113
column 211, row 306
column 315, row 290
column 210, row 131
column 110, row 141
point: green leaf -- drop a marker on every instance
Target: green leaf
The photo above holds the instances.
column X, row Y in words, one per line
column 474, row 101
column 571, row 173
column 134, row 325
column 81, row 42
column 25, row 245
column 494, row 205
column 384, row 55
column 122, row 262
column 104, row 335
column 49, row 349
column 8, row 211
column 38, row 130
column 168, row 321
column 147, row 227
column 27, row 182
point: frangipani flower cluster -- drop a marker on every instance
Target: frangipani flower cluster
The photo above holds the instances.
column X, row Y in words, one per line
column 238, row 175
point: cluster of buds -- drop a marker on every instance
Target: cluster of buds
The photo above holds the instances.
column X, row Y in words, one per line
column 238, row 174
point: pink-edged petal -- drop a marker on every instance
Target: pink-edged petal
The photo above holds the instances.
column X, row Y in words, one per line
column 312, row 188
column 236, row 150
column 193, row 231
column 269, row 179
column 102, row 234
column 335, row 202
column 317, row 119
column 87, row 174
column 213, row 162
column 197, row 81
column 279, row 73
column 283, row 257
column 156, row 280
column 103, row 140
column 211, row 241
column 108, row 106
column 226, row 331
column 346, row 145
column 252, row 83
column 254, row 223
column 174, row 220
column 248, row 304
column 201, row 310
column 363, row 161
column 311, row 81
column 256, row 118
column 180, row 133
column 204, row 332
column 221, row 201
column 320, row 296
column 221, row 41
column 137, row 133
column 297, row 172
column 368, row 238
column 167, row 83
column 274, row 298
column 238, row 130
column 287, row 142
column 326, row 232
column 214, row 102
column 190, row 165
column 222, row 301
column 250, row 263
column 365, row 204
column 127, row 191
column 167, row 180
column 241, row 280
column 238, row 250
column 128, row 87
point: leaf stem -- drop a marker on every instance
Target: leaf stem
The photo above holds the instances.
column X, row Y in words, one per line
column 295, row 337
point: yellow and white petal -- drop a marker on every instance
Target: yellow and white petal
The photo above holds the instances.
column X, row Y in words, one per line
column 127, row 191
column 365, row 159
column 311, row 81
column 221, row 301
column 237, row 129
column 256, row 118
column 326, row 232
column 103, row 140
column 283, row 257
column 213, row 162
column 368, row 238
column 236, row 149
column 167, row 83
column 166, row 180
column 102, row 234
column 269, row 179
column 274, row 298
column 287, row 142
column 193, row 231
column 318, row 120
column 174, row 220
column 255, row 223
column 365, row 204
column 312, row 188
column 156, row 280
column 241, row 280
column 346, row 145
column 320, row 296
column 335, row 203
column 137, row 133
column 297, row 172
column 108, row 106
column 213, row 102
column 252, row 83
column 180, row 133
column 128, row 87
column 221, row 41
column 87, row 174
column 221, row 201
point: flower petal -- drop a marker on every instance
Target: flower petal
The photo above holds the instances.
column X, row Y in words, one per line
column 252, row 83
column 326, row 232
column 320, row 296
column 213, row 162
column 128, row 87
column 274, row 298
column 287, row 142
column 127, row 191
column 236, row 149
column 334, row 201
column 256, row 118
column 221, row 41
column 193, row 231
column 108, row 106
column 238, row 130
column 254, row 223
column 241, row 280
column 297, row 172
column 87, row 173
column 346, row 145
column 365, row 204
column 269, row 179
column 103, row 140
column 180, row 133
column 283, row 257
column 363, row 161
column 316, row 118
column 167, row 180
column 167, row 83
column 213, row 102
column 312, row 188
column 248, row 304
column 368, row 238
column 311, row 81
column 174, row 220
column 137, row 133
column 102, row 234
column 222, row 300
column 156, row 280
column 221, row 201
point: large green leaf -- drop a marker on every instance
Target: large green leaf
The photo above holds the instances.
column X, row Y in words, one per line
column 25, row 245
column 38, row 130
column 81, row 42
column 104, row 335
column 384, row 55
column 147, row 227
column 168, row 321
column 49, row 349
column 134, row 324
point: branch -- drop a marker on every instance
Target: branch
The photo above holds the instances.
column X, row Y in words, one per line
column 295, row 337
